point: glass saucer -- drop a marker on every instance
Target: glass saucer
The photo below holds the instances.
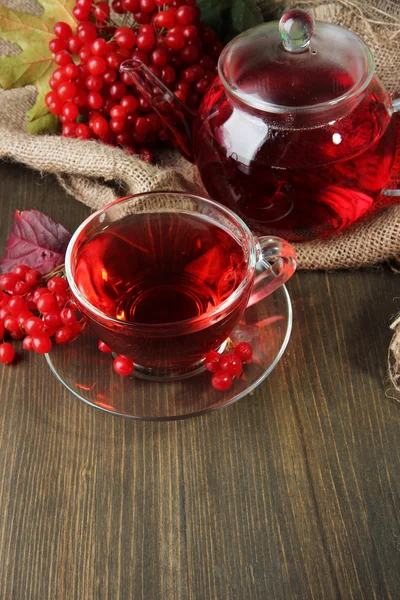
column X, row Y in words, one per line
column 89, row 375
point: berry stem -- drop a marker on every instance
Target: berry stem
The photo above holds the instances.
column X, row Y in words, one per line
column 56, row 272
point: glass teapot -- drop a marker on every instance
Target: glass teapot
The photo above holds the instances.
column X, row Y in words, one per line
column 295, row 134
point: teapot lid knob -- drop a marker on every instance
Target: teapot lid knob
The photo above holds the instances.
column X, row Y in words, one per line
column 296, row 28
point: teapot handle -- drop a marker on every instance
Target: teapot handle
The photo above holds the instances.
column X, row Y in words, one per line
column 394, row 100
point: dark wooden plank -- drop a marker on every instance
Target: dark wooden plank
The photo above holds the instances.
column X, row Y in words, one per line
column 291, row 493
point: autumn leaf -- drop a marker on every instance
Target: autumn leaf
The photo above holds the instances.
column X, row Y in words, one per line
column 34, row 64
column 35, row 240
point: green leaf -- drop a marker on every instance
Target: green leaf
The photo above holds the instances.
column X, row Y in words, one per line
column 48, row 123
column 58, row 10
column 229, row 17
column 34, row 64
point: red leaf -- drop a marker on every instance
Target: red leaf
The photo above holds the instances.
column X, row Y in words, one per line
column 35, row 240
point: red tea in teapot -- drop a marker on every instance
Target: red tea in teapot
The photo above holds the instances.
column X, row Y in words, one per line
column 298, row 180
column 295, row 134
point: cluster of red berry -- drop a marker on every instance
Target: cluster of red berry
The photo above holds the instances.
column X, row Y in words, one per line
column 35, row 311
column 227, row 366
column 223, row 366
column 94, row 100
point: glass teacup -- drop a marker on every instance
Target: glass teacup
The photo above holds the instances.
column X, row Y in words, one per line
column 164, row 277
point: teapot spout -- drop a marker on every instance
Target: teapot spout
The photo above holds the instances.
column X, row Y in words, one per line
column 175, row 115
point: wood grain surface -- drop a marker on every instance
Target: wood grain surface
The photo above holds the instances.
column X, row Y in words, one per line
column 291, row 493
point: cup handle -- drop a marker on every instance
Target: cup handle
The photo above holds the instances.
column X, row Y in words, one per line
column 283, row 258
column 394, row 100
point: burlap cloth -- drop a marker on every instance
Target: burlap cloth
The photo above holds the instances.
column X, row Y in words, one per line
column 96, row 174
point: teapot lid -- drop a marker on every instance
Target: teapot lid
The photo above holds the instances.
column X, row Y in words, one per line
column 298, row 65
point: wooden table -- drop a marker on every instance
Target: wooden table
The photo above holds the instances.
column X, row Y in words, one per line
column 291, row 493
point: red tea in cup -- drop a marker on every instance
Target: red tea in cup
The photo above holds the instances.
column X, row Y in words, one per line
column 164, row 282
column 160, row 268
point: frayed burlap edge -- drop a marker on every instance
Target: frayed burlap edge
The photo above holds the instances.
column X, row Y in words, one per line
column 394, row 355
